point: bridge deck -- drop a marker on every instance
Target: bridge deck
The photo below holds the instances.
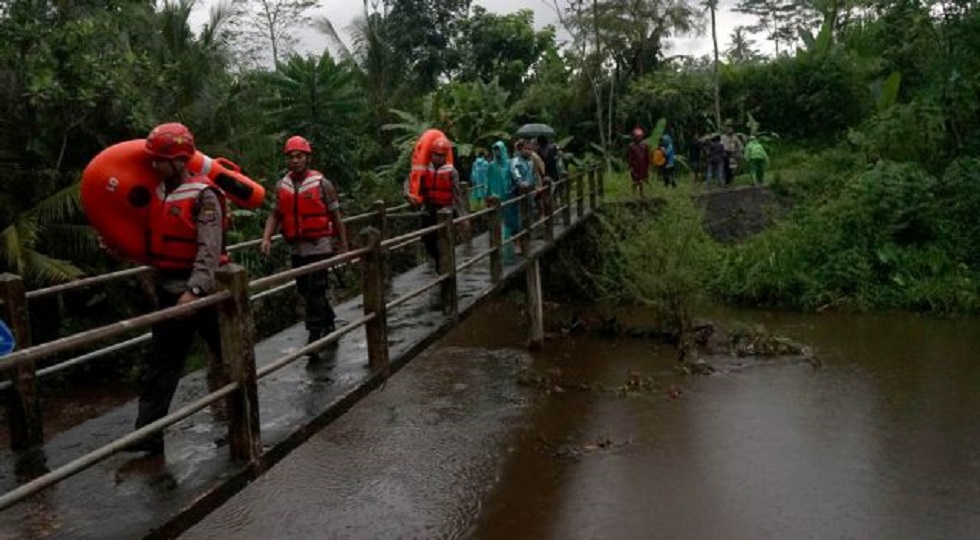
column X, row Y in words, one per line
column 133, row 497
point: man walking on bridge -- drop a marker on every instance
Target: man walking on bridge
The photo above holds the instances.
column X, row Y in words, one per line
column 187, row 223
column 439, row 188
column 308, row 210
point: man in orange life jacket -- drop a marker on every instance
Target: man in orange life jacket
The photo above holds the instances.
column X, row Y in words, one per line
column 186, row 232
column 439, row 188
column 308, row 210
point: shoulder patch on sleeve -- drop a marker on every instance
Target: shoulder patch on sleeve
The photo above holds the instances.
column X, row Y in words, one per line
column 208, row 212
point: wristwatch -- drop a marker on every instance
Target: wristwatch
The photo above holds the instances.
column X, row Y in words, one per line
column 197, row 291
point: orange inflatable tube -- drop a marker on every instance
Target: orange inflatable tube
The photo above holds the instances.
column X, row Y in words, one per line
column 421, row 158
column 241, row 189
column 118, row 187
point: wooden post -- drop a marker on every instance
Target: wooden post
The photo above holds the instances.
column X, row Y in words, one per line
column 373, row 279
column 592, row 188
column 527, row 222
column 496, row 241
column 549, row 224
column 566, row 200
column 534, row 308
column 380, row 219
column 447, row 263
column 238, row 353
column 381, row 223
column 579, row 195
column 22, row 403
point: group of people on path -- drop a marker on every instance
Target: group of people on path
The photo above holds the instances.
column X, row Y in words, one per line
column 715, row 160
column 190, row 218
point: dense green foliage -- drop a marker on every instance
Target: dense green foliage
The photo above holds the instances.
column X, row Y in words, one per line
column 884, row 97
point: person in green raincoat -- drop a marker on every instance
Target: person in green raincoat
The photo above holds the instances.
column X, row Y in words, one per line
column 757, row 159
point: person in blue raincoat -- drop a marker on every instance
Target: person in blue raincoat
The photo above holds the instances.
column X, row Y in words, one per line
column 478, row 178
column 500, row 184
column 522, row 181
column 7, row 341
column 668, row 169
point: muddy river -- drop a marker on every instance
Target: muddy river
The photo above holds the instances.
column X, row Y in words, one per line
column 601, row 438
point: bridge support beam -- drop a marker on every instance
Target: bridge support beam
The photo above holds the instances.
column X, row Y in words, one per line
column 21, row 401
column 238, row 354
column 535, row 309
column 579, row 194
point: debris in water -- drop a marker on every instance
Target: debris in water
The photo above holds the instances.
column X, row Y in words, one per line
column 635, row 383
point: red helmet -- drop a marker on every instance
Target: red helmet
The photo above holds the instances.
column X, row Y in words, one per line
column 297, row 144
column 441, row 146
column 170, row 141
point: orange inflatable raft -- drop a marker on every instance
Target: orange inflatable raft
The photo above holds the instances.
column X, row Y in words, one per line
column 421, row 158
column 118, row 186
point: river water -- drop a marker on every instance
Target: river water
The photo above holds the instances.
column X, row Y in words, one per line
column 600, row 438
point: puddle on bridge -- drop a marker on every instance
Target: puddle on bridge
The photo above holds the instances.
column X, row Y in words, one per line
column 596, row 438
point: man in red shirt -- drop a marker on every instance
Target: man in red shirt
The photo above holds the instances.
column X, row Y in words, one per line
column 638, row 158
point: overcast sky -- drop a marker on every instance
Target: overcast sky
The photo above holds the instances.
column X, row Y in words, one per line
column 342, row 12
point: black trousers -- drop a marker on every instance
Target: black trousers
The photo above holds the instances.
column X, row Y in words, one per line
column 314, row 288
column 430, row 217
column 172, row 341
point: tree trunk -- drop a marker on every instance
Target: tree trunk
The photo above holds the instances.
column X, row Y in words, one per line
column 714, row 37
column 603, row 136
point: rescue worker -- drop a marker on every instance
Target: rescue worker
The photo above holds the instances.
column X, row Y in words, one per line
column 439, row 188
column 308, row 211
column 187, row 224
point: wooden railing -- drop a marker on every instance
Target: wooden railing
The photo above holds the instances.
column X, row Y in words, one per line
column 237, row 366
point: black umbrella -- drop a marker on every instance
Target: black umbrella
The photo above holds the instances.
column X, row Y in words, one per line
column 530, row 131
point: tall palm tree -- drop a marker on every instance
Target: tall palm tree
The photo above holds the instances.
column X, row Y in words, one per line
column 382, row 71
column 712, row 5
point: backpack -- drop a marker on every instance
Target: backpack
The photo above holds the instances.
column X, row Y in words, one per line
column 659, row 157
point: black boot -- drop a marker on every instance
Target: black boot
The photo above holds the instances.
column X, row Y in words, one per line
column 315, row 335
column 150, row 446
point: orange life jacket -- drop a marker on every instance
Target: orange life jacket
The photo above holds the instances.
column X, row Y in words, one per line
column 173, row 224
column 303, row 208
column 437, row 186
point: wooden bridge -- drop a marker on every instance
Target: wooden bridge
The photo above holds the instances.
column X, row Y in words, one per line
column 257, row 402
